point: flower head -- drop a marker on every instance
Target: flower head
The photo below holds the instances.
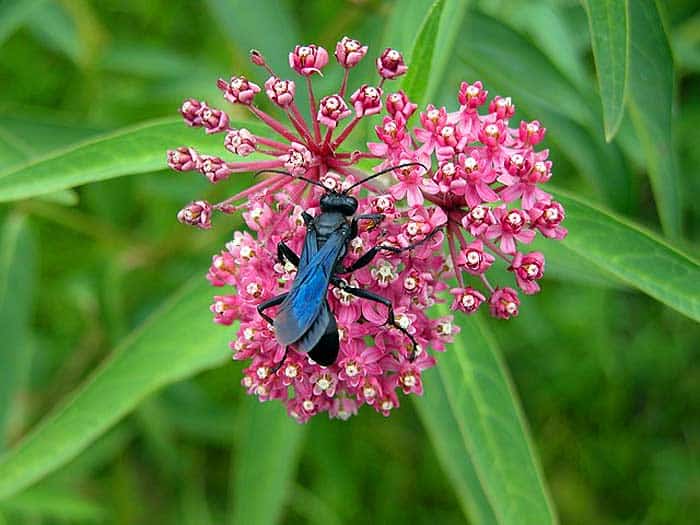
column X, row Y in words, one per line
column 453, row 196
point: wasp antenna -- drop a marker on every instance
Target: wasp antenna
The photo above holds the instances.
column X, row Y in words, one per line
column 295, row 177
column 387, row 170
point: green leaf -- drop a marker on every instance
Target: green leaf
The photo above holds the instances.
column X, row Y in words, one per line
column 421, row 57
column 17, row 283
column 137, row 149
column 632, row 254
column 474, row 418
column 14, row 13
column 650, row 103
column 52, row 503
column 265, row 463
column 609, row 28
column 178, row 341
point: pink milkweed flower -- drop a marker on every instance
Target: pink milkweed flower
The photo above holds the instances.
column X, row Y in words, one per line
column 367, row 100
column 349, row 52
column 190, row 112
column 502, row 108
column 225, row 309
column 309, row 59
column 528, row 269
column 511, row 225
column 222, row 270
column 280, row 92
column 432, row 120
column 359, row 362
column 213, row 120
column 183, row 159
column 238, row 90
column 531, row 133
column 410, row 183
column 467, row 299
column 525, row 185
column 471, row 96
column 197, row 213
column 547, row 216
column 504, row 303
column 479, row 176
column 391, row 64
column 478, row 219
column 398, row 103
column 324, row 382
column 492, row 134
column 394, row 139
column 474, row 259
column 240, row 141
column 214, row 168
column 343, row 408
column 298, row 159
column 450, row 179
column 331, row 110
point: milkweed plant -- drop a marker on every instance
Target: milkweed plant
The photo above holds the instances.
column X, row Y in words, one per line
column 475, row 175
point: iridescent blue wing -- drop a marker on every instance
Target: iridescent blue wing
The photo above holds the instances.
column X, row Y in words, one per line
column 304, row 303
column 309, row 249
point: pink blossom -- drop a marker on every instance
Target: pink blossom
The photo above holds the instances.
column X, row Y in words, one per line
column 391, row 64
column 410, row 183
column 502, row 107
column 528, row 269
column 332, row 109
column 298, row 159
column 238, row 90
column 471, row 96
column 225, row 309
column 367, row 100
column 474, row 259
column 511, row 226
column 309, row 59
column 398, row 103
column 547, row 216
column 183, row 159
column 222, row 270
column 213, row 120
column 478, row 219
column 240, row 141
column 349, row 52
column 196, row 213
column 214, row 168
column 531, row 133
column 280, row 92
column 467, row 299
column 190, row 112
column 479, row 176
column 504, row 303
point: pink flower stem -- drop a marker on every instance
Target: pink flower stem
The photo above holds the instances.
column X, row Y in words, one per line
column 497, row 251
column 272, row 143
column 240, row 167
column 348, row 129
column 271, row 152
column 453, row 254
column 344, row 85
column 381, row 83
column 275, row 124
column 314, row 110
column 272, row 182
column 327, row 140
column 302, row 130
column 300, row 119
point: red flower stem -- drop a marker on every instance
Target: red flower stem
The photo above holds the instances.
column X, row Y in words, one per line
column 344, row 85
column 275, row 124
column 348, row 129
column 271, row 182
column 302, row 130
column 314, row 110
column 495, row 249
column 453, row 255
column 381, row 83
column 271, row 152
column 327, row 140
column 240, row 167
column 300, row 119
column 272, row 143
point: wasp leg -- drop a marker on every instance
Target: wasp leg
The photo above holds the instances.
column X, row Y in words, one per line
column 376, row 218
column 364, row 294
column 285, row 252
column 370, row 254
column 275, row 301
column 279, row 365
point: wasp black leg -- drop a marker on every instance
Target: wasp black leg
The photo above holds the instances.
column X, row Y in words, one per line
column 376, row 218
column 279, row 365
column 391, row 320
column 275, row 301
column 285, row 252
column 370, row 254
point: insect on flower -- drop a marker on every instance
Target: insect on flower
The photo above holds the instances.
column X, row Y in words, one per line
column 455, row 193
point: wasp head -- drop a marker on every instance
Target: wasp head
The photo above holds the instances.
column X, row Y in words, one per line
column 338, row 202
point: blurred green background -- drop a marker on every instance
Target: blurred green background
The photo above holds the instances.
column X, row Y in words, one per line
column 609, row 379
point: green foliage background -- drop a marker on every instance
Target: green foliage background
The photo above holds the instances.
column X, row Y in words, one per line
column 118, row 403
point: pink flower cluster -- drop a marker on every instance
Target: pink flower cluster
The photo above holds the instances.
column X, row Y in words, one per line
column 480, row 187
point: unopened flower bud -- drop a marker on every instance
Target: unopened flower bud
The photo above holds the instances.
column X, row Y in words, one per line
column 391, row 64
column 183, row 159
column 349, row 52
column 240, row 141
column 307, row 60
column 280, row 92
column 239, row 90
column 197, row 213
column 332, row 109
column 190, row 112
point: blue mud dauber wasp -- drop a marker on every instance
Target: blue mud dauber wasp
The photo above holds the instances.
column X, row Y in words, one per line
column 304, row 318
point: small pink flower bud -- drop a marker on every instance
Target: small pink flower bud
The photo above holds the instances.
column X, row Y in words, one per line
column 367, row 100
column 332, row 109
column 391, row 64
column 307, row 60
column 213, row 120
column 474, row 259
column 240, row 141
column 280, row 92
column 238, row 90
column 214, row 168
column 197, row 213
column 531, row 132
column 492, row 134
column 504, row 303
column 398, row 103
column 547, row 216
column 349, row 52
column 298, row 159
column 472, row 95
column 517, row 165
column 190, row 112
column 502, row 107
column 257, row 58
column 183, row 159
column 528, row 269
column 467, row 299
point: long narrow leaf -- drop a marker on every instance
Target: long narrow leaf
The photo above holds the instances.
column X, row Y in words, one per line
column 473, row 390
column 633, row 255
column 175, row 343
column 650, row 103
column 609, row 28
